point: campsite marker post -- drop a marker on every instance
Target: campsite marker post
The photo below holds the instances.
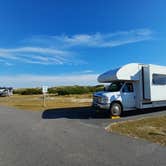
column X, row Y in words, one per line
column 44, row 91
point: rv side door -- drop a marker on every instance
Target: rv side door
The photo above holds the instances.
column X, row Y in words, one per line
column 128, row 96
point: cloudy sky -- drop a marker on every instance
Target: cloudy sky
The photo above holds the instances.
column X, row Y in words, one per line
column 62, row 42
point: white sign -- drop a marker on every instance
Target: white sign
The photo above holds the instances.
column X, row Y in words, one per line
column 44, row 89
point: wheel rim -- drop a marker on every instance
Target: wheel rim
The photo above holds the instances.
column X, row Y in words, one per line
column 116, row 110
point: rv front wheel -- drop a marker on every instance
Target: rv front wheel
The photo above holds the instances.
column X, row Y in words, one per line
column 116, row 109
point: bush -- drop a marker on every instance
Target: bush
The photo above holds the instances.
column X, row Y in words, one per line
column 63, row 90
column 72, row 90
column 67, row 90
column 28, row 91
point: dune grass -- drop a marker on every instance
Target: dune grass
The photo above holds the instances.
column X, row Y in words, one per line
column 152, row 129
column 35, row 102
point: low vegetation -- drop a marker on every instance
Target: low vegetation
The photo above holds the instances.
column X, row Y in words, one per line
column 28, row 91
column 62, row 90
column 152, row 129
column 57, row 97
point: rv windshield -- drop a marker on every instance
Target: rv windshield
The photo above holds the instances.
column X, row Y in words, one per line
column 115, row 86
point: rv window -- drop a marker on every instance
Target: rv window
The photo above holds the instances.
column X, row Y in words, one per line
column 115, row 86
column 128, row 88
column 159, row 79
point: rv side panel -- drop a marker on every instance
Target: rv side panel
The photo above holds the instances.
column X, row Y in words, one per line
column 158, row 83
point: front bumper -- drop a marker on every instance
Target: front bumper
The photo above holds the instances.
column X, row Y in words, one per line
column 104, row 106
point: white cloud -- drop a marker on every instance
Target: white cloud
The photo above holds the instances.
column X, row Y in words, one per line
column 62, row 49
column 36, row 55
column 34, row 50
column 110, row 39
column 97, row 39
column 39, row 80
column 87, row 71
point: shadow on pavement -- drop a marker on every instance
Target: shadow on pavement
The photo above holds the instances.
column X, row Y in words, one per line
column 75, row 113
column 90, row 113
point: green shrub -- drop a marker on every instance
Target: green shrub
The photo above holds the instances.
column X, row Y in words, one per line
column 28, row 91
column 67, row 90
column 61, row 90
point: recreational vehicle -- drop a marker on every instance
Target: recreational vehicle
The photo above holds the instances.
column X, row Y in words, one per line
column 132, row 86
column 6, row 91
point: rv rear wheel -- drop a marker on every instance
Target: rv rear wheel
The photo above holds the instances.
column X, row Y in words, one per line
column 116, row 109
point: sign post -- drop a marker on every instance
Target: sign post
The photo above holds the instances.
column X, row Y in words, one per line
column 44, row 91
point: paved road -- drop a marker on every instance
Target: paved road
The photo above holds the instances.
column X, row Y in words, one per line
column 70, row 138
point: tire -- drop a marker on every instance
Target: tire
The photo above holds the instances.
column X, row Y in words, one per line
column 116, row 109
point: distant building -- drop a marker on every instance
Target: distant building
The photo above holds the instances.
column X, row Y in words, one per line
column 6, row 91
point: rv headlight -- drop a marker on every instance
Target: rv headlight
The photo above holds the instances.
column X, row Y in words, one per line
column 104, row 99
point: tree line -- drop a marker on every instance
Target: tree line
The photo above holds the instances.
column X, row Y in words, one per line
column 61, row 90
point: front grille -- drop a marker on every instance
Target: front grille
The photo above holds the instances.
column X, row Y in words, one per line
column 97, row 99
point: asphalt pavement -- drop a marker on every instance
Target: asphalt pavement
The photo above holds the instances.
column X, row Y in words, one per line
column 71, row 137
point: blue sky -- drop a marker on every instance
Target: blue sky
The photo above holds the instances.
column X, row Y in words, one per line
column 62, row 42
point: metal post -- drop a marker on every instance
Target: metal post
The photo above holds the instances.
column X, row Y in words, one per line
column 44, row 90
column 44, row 99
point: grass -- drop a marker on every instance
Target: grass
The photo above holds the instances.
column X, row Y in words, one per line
column 152, row 129
column 35, row 102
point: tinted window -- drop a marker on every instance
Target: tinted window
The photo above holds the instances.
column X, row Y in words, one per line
column 115, row 86
column 159, row 79
column 128, row 87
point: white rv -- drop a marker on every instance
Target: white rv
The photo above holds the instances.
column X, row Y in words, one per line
column 133, row 86
column 6, row 91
